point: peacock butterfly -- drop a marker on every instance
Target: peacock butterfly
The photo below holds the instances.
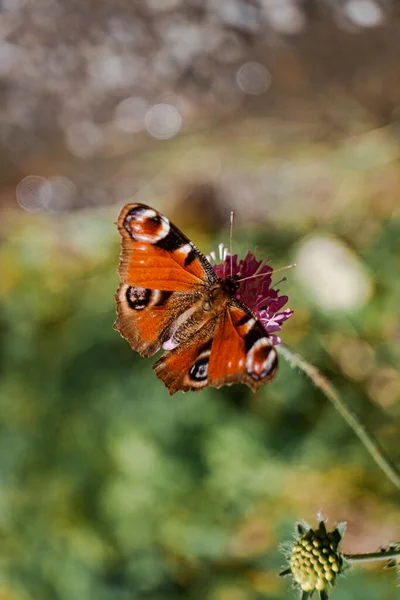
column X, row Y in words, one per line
column 170, row 297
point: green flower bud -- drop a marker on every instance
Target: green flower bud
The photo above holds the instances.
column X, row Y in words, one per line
column 314, row 559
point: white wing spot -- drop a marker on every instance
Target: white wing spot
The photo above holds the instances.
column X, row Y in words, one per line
column 247, row 326
column 185, row 249
column 149, row 213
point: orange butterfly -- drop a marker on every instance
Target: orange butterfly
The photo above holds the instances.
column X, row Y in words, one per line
column 171, row 297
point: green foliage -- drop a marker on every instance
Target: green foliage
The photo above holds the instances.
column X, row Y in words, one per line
column 111, row 489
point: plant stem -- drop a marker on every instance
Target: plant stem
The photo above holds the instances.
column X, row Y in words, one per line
column 384, row 555
column 327, row 388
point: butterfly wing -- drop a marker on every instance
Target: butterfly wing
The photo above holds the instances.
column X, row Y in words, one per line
column 242, row 351
column 162, row 276
column 232, row 348
column 146, row 316
column 185, row 368
column 157, row 255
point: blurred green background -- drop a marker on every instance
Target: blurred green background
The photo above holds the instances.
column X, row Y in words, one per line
column 287, row 112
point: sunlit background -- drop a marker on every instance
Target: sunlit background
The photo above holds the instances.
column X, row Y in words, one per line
column 287, row 112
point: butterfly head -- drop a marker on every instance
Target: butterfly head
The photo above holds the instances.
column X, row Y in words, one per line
column 230, row 284
column 220, row 292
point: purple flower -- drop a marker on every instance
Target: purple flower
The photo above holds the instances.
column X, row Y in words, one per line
column 257, row 292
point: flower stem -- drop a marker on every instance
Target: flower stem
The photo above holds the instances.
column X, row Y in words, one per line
column 371, row 556
column 327, row 388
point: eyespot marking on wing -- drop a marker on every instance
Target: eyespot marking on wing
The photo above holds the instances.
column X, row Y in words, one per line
column 199, row 371
column 139, row 298
column 146, row 225
column 197, row 376
column 261, row 359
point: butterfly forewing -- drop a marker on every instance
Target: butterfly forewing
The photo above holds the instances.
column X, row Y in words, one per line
column 157, row 255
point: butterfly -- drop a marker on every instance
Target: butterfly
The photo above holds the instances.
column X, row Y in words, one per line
column 170, row 297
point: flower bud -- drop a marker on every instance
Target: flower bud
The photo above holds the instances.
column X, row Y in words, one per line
column 314, row 559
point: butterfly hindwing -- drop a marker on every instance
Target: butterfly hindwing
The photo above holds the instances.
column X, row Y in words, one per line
column 242, row 351
column 162, row 274
column 186, row 367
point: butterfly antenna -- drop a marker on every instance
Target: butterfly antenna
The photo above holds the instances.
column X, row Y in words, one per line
column 284, row 268
column 271, row 273
column 230, row 240
column 278, row 282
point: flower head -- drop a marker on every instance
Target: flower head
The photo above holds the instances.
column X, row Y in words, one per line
column 314, row 559
column 255, row 289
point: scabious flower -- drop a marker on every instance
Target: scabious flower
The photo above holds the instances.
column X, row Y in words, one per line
column 257, row 293
column 314, row 559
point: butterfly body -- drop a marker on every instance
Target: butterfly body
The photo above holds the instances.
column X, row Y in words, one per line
column 170, row 297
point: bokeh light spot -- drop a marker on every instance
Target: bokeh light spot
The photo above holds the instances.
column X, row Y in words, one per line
column 285, row 17
column 335, row 278
column 163, row 121
column 33, row 192
column 364, row 13
column 253, row 78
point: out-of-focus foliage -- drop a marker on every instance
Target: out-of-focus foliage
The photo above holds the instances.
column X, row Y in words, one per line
column 110, row 488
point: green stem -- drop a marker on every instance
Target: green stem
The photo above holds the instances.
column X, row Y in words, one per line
column 384, row 555
column 326, row 387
